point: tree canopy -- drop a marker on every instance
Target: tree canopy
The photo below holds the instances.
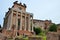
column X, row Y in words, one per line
column 53, row 28
column 37, row 30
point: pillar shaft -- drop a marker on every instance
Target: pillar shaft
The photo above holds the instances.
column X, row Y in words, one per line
column 11, row 17
column 25, row 22
column 32, row 23
column 29, row 23
column 16, row 22
column 21, row 22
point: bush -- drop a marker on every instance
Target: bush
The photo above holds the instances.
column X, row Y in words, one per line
column 53, row 28
column 37, row 30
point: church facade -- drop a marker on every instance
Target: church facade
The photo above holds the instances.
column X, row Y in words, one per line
column 18, row 19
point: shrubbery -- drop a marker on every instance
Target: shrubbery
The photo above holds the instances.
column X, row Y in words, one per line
column 53, row 28
column 37, row 30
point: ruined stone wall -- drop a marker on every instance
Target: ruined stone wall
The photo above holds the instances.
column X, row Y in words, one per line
column 52, row 36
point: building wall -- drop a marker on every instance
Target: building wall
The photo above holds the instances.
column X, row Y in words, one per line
column 43, row 24
column 53, row 36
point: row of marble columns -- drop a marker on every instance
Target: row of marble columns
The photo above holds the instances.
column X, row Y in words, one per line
column 29, row 20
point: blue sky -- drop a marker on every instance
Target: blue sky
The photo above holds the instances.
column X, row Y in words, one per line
column 42, row 9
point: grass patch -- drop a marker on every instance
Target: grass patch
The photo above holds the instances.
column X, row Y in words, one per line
column 44, row 37
column 21, row 37
column 25, row 38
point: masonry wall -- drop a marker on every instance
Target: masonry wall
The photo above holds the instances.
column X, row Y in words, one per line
column 52, row 36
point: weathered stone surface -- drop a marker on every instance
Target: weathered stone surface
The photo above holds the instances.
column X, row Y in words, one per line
column 2, row 37
column 52, row 36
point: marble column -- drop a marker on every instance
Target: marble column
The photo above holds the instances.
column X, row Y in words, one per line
column 11, row 17
column 32, row 23
column 8, row 28
column 25, row 22
column 29, row 23
column 16, row 22
column 21, row 22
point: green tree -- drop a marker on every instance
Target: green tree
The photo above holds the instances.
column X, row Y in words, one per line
column 37, row 30
column 53, row 28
